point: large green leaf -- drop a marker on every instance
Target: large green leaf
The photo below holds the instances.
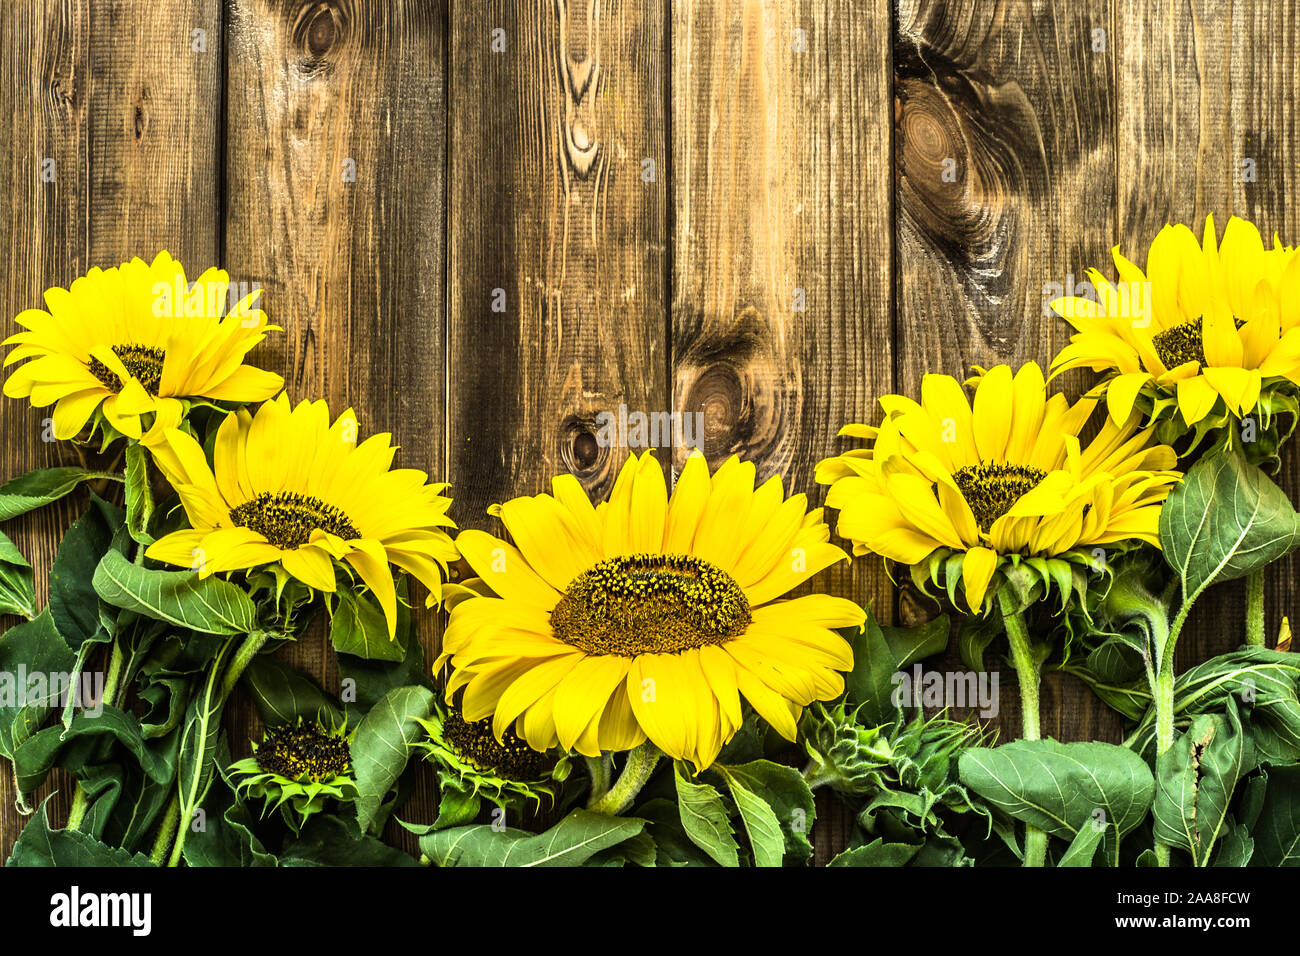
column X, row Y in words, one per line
column 381, row 746
column 326, row 841
column 877, row 853
column 571, row 842
column 17, row 583
column 1265, row 680
column 43, row 486
column 73, row 601
column 784, row 792
column 1276, row 831
column 1061, row 788
column 29, row 653
column 38, row 845
column 40, row 753
column 282, row 694
column 705, row 818
column 879, row 653
column 208, row 605
column 358, row 627
column 1224, row 520
column 1195, row 780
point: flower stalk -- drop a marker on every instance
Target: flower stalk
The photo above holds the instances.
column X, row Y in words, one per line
column 1027, row 674
column 641, row 763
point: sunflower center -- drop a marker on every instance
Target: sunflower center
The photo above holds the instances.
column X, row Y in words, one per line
column 991, row 488
column 511, row 759
column 650, row 604
column 287, row 519
column 303, row 751
column 144, row 362
column 1183, row 343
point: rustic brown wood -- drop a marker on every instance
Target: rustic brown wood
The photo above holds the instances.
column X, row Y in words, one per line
column 773, row 173
column 334, row 166
column 782, row 297
column 1198, row 91
column 133, row 137
column 1005, row 167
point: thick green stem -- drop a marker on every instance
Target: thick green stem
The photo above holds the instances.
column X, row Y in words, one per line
column 599, row 770
column 248, row 650
column 1022, row 656
column 77, row 813
column 641, row 763
column 1255, row 608
column 1164, row 692
column 166, row 830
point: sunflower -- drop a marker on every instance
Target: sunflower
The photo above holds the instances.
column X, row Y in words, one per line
column 296, row 768
column 648, row 616
column 472, row 763
column 1207, row 331
column 963, row 488
column 136, row 341
column 287, row 487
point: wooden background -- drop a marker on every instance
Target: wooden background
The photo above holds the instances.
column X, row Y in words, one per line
column 654, row 186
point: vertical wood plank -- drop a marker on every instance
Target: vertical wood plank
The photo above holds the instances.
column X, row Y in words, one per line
column 334, row 173
column 1199, row 92
column 133, row 138
column 557, row 266
column 1005, row 164
column 556, row 274
column 782, row 288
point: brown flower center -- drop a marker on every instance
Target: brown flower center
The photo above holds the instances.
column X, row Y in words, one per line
column 143, row 362
column 650, row 604
column 991, row 488
column 511, row 759
column 287, row 519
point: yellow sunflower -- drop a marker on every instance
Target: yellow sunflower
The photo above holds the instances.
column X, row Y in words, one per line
column 965, row 486
column 1202, row 332
column 649, row 615
column 286, row 486
column 137, row 340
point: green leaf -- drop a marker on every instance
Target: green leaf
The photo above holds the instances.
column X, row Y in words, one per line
column 1224, row 520
column 381, row 746
column 38, row 755
column 1061, row 788
column 17, row 583
column 43, row 486
column 227, row 838
column 282, row 694
column 705, row 818
column 783, row 790
column 73, row 601
column 1195, row 780
column 1083, row 848
column 764, row 829
column 1277, row 830
column 325, row 841
column 877, row 853
column 139, row 496
column 210, row 605
column 26, row 650
column 881, row 652
column 200, row 737
column 38, row 845
column 358, row 627
column 571, row 842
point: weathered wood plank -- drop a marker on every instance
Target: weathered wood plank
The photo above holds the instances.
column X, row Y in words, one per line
column 1199, row 115
column 133, row 140
column 782, row 285
column 1005, row 165
column 334, row 175
column 557, row 250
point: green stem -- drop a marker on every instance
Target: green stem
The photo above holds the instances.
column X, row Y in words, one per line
column 599, row 770
column 80, row 802
column 166, row 830
column 1164, row 693
column 1255, row 608
column 1022, row 656
column 248, row 650
column 641, row 763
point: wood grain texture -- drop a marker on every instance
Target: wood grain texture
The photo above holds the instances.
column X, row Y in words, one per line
column 557, row 262
column 334, row 178
column 133, row 137
column 1005, row 170
column 782, row 288
column 1199, row 91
